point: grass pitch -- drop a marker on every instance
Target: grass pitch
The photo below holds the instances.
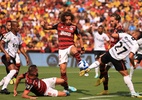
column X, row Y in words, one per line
column 85, row 85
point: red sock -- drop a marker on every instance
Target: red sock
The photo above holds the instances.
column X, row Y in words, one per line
column 65, row 84
column 77, row 56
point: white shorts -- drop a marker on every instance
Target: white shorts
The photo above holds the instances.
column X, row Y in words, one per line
column 63, row 55
column 50, row 83
column 17, row 59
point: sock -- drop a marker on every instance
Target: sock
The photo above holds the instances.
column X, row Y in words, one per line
column 129, row 83
column 131, row 71
column 77, row 56
column 94, row 65
column 2, row 81
column 97, row 71
column 65, row 84
column 104, row 73
column 8, row 78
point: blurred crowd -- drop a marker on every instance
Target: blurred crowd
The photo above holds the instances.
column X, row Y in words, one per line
column 32, row 14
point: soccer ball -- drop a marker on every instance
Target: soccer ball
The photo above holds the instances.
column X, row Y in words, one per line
column 83, row 65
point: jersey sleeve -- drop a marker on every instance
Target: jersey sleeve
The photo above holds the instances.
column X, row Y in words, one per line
column 55, row 26
column 139, row 41
column 77, row 31
column 121, row 35
column 6, row 37
column 135, row 48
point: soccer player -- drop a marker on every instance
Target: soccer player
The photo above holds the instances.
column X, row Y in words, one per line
column 126, row 46
column 100, row 40
column 138, row 58
column 40, row 87
column 9, row 45
column 17, row 59
column 66, row 31
column 114, row 27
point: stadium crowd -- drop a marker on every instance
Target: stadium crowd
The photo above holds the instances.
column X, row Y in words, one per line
column 32, row 14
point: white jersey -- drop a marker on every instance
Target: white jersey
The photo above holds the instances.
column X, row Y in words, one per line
column 122, row 48
column 12, row 43
column 99, row 40
column 140, row 46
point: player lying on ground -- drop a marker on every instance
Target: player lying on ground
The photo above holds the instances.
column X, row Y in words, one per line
column 40, row 87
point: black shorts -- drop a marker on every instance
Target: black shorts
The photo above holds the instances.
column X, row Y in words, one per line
column 118, row 64
column 138, row 57
column 4, row 61
column 98, row 53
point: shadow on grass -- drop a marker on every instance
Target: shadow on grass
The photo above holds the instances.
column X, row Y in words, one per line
column 82, row 91
column 137, row 82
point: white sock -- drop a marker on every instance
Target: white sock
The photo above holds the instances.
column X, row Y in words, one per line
column 94, row 65
column 2, row 81
column 131, row 71
column 97, row 71
column 129, row 83
column 8, row 78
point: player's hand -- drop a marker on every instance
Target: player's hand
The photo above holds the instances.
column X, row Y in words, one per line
column 15, row 93
column 82, row 50
column 33, row 98
column 28, row 61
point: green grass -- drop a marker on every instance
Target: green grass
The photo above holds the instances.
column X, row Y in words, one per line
column 85, row 85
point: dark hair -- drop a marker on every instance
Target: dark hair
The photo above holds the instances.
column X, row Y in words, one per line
column 67, row 13
column 32, row 69
column 3, row 26
column 116, row 16
column 9, row 21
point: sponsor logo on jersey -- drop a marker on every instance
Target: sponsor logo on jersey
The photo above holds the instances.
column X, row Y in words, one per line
column 65, row 33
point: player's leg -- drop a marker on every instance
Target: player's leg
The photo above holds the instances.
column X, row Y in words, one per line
column 136, row 61
column 103, row 79
column 17, row 59
column 63, row 59
column 12, row 71
column 50, row 83
column 74, row 52
column 122, row 69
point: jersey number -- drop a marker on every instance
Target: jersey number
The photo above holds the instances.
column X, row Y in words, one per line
column 120, row 46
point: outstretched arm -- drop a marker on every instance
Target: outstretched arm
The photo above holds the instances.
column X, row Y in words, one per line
column 24, row 53
column 18, row 79
column 25, row 95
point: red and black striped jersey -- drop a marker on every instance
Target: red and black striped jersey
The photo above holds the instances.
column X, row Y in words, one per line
column 113, row 41
column 36, row 86
column 66, row 34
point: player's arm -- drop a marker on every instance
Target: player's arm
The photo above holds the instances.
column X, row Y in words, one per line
column 18, row 79
column 24, row 53
column 48, row 27
column 115, row 35
column 78, row 34
column 26, row 95
column 3, row 50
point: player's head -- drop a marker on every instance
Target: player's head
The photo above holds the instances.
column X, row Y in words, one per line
column 114, row 19
column 137, row 34
column 32, row 70
column 8, row 25
column 100, row 29
column 14, row 26
column 2, row 29
column 67, row 17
